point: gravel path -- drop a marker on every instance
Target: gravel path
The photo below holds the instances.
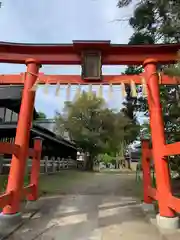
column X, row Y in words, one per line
column 102, row 207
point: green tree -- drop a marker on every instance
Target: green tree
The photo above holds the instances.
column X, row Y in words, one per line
column 41, row 116
column 145, row 131
column 92, row 126
column 154, row 21
column 159, row 22
column 105, row 158
column 157, row 19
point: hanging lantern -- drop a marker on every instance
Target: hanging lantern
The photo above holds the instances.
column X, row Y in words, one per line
column 110, row 92
column 124, row 93
column 58, row 90
column 133, row 89
column 68, row 89
column 78, row 92
column 46, row 86
column 100, row 91
column 144, row 87
column 90, row 91
column 160, row 78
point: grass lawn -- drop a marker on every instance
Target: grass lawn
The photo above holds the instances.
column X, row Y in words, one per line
column 60, row 182
column 52, row 183
column 118, row 171
column 3, row 182
column 138, row 189
column 79, row 182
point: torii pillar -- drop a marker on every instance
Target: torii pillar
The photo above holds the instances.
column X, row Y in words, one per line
column 15, row 184
column 166, row 217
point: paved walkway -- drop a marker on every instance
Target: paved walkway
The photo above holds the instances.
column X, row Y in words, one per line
column 104, row 207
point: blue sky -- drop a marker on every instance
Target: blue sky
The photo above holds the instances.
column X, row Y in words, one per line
column 61, row 21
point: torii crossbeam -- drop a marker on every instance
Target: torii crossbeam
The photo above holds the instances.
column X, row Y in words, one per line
column 71, row 54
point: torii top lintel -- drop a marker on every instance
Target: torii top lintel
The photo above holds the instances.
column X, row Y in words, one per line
column 70, row 54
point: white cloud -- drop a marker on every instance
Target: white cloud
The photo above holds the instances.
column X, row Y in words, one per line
column 49, row 102
column 60, row 21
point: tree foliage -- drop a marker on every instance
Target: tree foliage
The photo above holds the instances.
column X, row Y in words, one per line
column 41, row 116
column 105, row 158
column 154, row 22
column 157, row 21
column 94, row 127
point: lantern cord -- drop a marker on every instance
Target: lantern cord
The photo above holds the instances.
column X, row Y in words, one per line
column 35, row 86
column 33, row 74
column 133, row 89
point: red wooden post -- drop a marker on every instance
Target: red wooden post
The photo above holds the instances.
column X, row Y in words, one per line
column 158, row 138
column 146, row 169
column 35, row 170
column 17, row 170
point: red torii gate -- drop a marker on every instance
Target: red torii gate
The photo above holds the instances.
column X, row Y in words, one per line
column 103, row 53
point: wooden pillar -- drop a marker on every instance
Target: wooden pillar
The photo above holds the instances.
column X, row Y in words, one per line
column 35, row 169
column 53, row 164
column 46, row 164
column 146, row 169
column 17, row 170
column 158, row 138
column 59, row 163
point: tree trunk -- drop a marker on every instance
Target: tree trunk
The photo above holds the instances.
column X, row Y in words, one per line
column 89, row 162
column 128, row 163
column 117, row 165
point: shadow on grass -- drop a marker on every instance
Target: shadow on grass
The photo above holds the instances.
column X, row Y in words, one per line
column 73, row 181
column 60, row 182
column 87, row 188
